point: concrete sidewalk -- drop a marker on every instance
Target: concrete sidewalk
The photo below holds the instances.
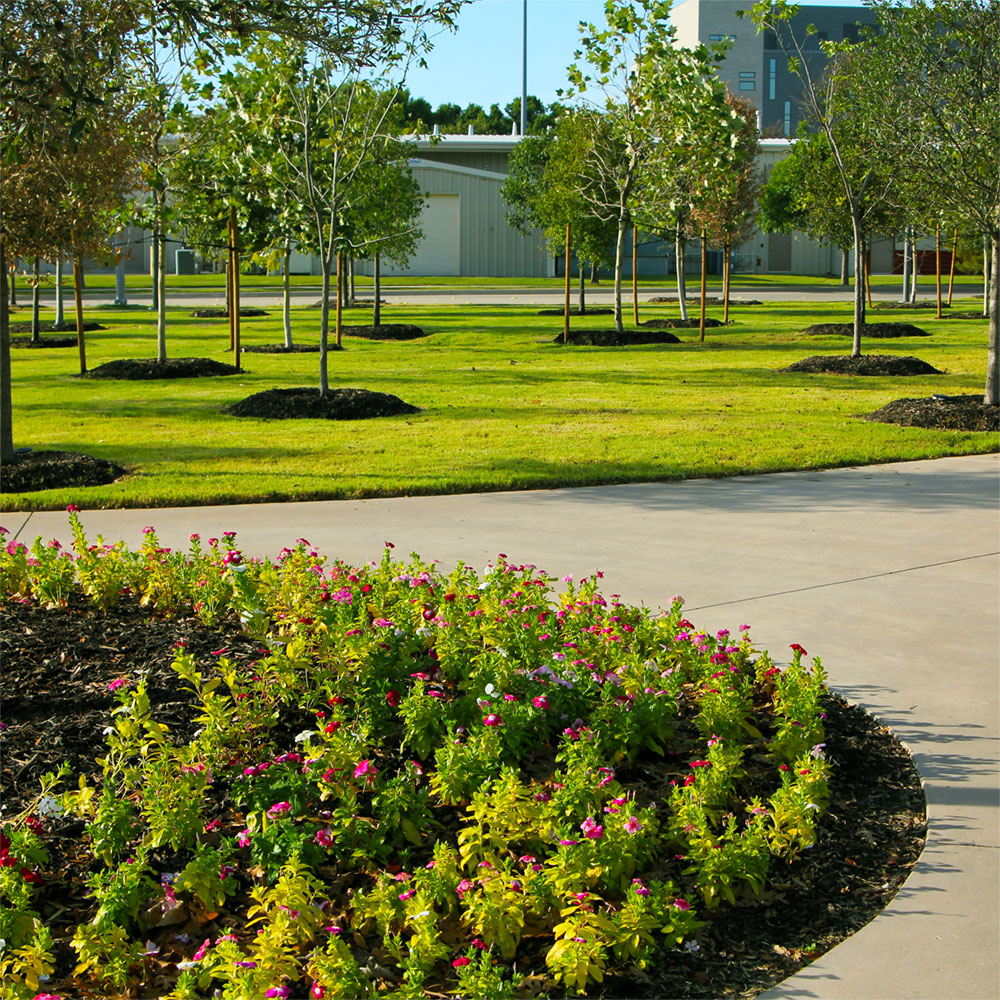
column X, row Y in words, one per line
column 889, row 573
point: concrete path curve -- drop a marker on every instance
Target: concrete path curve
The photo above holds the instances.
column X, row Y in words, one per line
column 889, row 573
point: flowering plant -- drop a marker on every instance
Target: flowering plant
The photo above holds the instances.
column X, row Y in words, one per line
column 421, row 782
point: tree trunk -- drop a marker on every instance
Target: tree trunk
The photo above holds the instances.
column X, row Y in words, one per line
column 340, row 296
column 13, row 285
column 352, row 292
column 726, row 271
column 78, row 300
column 868, row 276
column 859, row 288
column 987, row 259
column 937, row 268
column 121, row 298
column 619, row 251
column 951, row 274
column 992, row 394
column 35, row 303
column 6, row 410
column 914, row 269
column 845, row 277
column 286, row 296
column 594, row 279
column 704, row 272
column 377, row 285
column 906, row 265
column 324, row 327
column 679, row 250
column 635, row 275
column 160, row 280
column 235, row 312
column 154, row 263
column 229, row 282
column 583, row 287
column 60, row 320
column 566, row 302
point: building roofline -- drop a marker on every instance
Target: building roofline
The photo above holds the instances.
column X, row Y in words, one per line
column 454, row 168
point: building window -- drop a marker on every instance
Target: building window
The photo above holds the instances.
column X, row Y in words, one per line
column 788, row 118
column 772, row 77
column 770, row 41
column 722, row 38
column 851, row 33
column 748, row 80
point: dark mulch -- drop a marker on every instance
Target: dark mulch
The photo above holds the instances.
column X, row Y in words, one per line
column 878, row 330
column 29, row 471
column 280, row 349
column 352, row 304
column 88, row 327
column 58, row 664
column 710, row 300
column 145, row 368
column 307, row 403
column 867, row 364
column 966, row 315
column 612, row 338
column 384, row 331
column 958, row 413
column 919, row 304
column 575, row 311
column 215, row 313
column 42, row 342
column 680, row 324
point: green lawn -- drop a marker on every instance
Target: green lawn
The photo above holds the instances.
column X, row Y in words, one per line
column 502, row 407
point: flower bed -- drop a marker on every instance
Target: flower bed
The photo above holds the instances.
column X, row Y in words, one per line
column 426, row 782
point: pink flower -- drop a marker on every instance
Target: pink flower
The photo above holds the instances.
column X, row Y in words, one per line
column 317, row 992
column 200, row 953
column 632, row 825
column 492, row 720
column 478, row 943
column 366, row 769
column 463, row 887
column 392, row 698
column 639, row 887
column 460, row 962
column 591, row 829
column 323, row 837
column 409, row 894
column 682, row 904
column 118, row 682
column 279, row 809
column 383, row 623
column 282, row 992
column 796, row 648
column 72, row 509
column 568, row 843
column 701, row 763
column 243, row 838
column 540, row 702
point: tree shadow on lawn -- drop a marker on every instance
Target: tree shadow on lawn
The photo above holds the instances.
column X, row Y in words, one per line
column 847, row 487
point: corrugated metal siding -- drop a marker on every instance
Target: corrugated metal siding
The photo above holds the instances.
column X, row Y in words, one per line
column 484, row 160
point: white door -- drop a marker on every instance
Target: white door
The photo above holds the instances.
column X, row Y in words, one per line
column 438, row 253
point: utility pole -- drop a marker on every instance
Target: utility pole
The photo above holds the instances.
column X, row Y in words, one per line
column 524, row 70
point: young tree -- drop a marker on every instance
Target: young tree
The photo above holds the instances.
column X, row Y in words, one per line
column 935, row 102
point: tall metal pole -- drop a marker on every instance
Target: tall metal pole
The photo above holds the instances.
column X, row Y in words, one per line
column 524, row 69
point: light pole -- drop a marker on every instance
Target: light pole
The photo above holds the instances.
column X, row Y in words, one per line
column 524, row 68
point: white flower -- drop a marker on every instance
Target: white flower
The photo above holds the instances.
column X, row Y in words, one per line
column 691, row 946
column 48, row 807
column 303, row 736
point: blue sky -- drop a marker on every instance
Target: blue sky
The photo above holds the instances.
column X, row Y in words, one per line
column 481, row 63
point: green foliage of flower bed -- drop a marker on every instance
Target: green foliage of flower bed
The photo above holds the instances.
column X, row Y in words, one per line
column 462, row 777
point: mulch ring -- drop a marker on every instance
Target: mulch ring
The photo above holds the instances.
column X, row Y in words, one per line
column 575, row 311
column 680, row 324
column 137, row 369
column 23, row 342
column 88, row 326
column 919, row 304
column 216, row 313
column 966, row 315
column 866, row 364
column 710, row 300
column 280, row 349
column 58, row 664
column 384, row 331
column 307, row 403
column 956, row 413
column 612, row 338
column 878, row 330
column 28, row 471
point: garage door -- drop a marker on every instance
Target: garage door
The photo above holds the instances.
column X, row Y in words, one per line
column 439, row 250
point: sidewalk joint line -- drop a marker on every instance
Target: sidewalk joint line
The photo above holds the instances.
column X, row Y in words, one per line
column 24, row 524
column 838, row 583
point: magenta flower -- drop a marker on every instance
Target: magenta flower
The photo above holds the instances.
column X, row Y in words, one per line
column 492, row 720
column 632, row 825
column 540, row 702
column 200, row 953
column 682, row 904
column 317, row 992
column 796, row 648
column 282, row 992
column 463, row 887
column 591, row 829
column 409, row 894
column 243, row 838
column 279, row 809
column 460, row 962
column 118, row 682
column 639, row 887
column 366, row 769
column 392, row 698
column 323, row 837
column 72, row 509
column 383, row 623
column 568, row 843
